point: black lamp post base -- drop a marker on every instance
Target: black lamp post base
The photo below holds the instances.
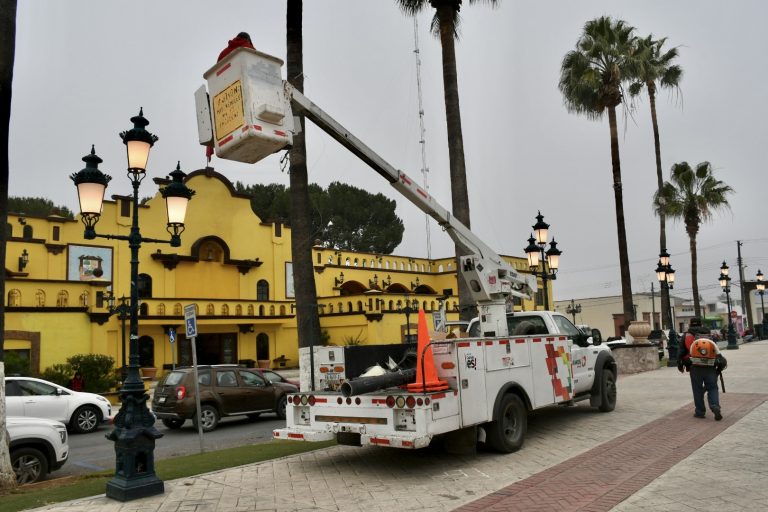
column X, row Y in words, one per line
column 127, row 489
column 732, row 347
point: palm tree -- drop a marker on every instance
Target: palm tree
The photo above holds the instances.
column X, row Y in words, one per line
column 692, row 195
column 445, row 25
column 591, row 81
column 657, row 68
column 307, row 320
column 7, row 54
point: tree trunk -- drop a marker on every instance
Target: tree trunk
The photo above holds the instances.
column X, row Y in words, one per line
column 694, row 271
column 7, row 54
column 665, row 317
column 307, row 321
column 458, row 172
column 626, row 280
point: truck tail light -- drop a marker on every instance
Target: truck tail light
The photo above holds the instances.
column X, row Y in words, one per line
column 290, row 399
column 390, row 401
column 410, row 402
column 181, row 392
column 311, row 400
column 400, row 402
column 357, row 400
column 303, row 400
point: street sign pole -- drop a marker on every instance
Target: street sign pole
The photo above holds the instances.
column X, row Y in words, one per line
column 190, row 321
column 171, row 340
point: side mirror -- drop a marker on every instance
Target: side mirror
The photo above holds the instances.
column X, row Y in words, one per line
column 597, row 337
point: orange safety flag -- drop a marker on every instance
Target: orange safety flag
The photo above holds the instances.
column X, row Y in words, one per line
column 426, row 378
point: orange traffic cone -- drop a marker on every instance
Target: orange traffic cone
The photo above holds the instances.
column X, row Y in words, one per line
column 426, row 379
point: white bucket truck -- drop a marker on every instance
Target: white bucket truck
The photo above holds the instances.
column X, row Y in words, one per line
column 491, row 382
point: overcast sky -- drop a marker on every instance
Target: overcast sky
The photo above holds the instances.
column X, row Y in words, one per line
column 83, row 68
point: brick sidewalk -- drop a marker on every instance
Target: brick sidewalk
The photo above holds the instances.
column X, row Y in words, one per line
column 606, row 475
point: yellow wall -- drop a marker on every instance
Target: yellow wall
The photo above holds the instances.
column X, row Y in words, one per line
column 244, row 252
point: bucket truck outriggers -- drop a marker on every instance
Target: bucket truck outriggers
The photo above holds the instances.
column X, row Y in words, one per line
column 485, row 386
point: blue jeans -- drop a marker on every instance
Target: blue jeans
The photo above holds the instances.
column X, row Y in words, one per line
column 704, row 378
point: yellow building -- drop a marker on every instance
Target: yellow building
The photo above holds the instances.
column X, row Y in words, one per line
column 235, row 268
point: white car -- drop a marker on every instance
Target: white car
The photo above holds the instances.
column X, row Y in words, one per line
column 37, row 398
column 37, row 447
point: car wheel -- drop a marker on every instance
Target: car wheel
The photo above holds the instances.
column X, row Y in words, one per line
column 254, row 416
column 29, row 465
column 607, row 391
column 86, row 419
column 173, row 424
column 507, row 433
column 209, row 417
column 281, row 406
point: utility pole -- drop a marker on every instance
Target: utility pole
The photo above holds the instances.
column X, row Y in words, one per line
column 742, row 288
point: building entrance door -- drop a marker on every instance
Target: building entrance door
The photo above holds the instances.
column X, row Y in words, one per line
column 215, row 348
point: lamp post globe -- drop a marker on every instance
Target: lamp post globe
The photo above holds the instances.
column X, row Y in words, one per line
column 666, row 276
column 134, row 433
column 536, row 253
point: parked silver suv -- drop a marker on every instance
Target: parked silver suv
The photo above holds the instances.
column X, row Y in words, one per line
column 37, row 446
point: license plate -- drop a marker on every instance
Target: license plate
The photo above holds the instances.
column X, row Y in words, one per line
column 161, row 400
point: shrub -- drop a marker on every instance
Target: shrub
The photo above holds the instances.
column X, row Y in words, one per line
column 15, row 364
column 58, row 374
column 98, row 371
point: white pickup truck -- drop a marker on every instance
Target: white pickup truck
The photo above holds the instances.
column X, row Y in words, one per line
column 493, row 382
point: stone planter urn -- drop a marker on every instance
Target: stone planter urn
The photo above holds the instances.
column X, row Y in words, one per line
column 263, row 363
column 639, row 330
column 148, row 372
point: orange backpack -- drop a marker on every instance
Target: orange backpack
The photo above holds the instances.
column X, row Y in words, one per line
column 703, row 352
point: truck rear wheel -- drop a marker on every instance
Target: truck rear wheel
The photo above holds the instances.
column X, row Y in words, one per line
column 507, row 433
column 607, row 391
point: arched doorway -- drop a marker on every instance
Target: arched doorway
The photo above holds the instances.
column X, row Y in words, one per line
column 146, row 352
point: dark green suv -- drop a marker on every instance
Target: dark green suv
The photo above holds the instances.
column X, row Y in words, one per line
column 225, row 390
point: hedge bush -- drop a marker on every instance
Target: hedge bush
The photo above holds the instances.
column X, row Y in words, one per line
column 98, row 371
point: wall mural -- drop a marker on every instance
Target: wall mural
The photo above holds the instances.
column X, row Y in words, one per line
column 89, row 263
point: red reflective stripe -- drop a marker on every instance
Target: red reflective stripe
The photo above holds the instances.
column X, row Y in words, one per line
column 503, row 342
column 422, row 193
column 295, row 436
column 405, row 179
column 321, row 400
column 377, row 440
column 379, row 401
column 226, row 139
column 407, row 443
column 550, row 339
column 489, row 343
column 562, row 338
column 536, row 340
column 278, row 132
column 463, row 344
column 257, row 127
column 479, row 343
column 520, row 340
column 438, row 396
column 245, row 128
column 219, row 72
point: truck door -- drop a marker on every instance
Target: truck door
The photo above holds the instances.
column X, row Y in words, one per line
column 472, row 389
column 581, row 362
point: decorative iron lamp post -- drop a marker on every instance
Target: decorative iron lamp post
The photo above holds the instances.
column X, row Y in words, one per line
column 134, row 433
column 573, row 309
column 666, row 276
column 550, row 259
column 725, row 283
column 411, row 306
column 761, row 291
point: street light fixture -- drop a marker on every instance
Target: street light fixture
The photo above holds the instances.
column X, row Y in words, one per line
column 666, row 276
column 122, row 310
column 725, row 284
column 761, row 291
column 411, row 306
column 134, row 433
column 573, row 309
column 549, row 259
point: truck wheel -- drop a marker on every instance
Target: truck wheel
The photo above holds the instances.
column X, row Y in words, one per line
column 607, row 391
column 507, row 433
column 209, row 417
column 29, row 465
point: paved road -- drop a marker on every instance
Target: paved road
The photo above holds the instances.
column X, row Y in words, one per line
column 93, row 452
column 652, row 407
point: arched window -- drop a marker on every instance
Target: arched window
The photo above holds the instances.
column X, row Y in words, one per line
column 250, row 309
column 402, row 266
column 238, row 310
column 144, row 286
column 143, row 309
column 346, row 262
column 210, row 310
column 14, row 297
column 225, row 310
column 27, row 233
column 177, row 309
column 161, row 309
column 359, row 305
column 282, row 310
column 432, row 306
column 387, row 265
column 62, row 299
column 349, row 307
column 262, row 347
column 146, row 352
column 271, row 310
column 341, row 307
column 262, row 290
column 356, row 262
column 261, row 310
column 330, row 308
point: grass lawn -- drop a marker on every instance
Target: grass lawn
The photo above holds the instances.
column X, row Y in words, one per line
column 65, row 489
